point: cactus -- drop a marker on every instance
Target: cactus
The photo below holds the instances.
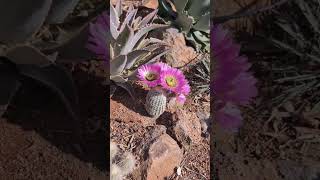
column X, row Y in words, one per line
column 129, row 45
column 156, row 102
column 122, row 167
column 192, row 17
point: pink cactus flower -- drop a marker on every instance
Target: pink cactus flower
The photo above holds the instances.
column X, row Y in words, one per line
column 232, row 84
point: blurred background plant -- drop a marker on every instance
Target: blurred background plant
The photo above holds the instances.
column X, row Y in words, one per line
column 36, row 47
column 200, row 77
column 298, row 35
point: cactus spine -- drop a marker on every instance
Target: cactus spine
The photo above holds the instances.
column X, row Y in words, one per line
column 156, row 102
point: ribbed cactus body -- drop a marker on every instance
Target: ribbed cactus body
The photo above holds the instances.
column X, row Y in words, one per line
column 156, row 102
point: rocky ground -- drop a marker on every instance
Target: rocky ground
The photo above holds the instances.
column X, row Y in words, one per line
column 161, row 146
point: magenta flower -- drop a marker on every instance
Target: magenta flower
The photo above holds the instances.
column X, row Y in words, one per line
column 163, row 66
column 163, row 76
column 150, row 74
column 185, row 90
column 232, row 85
column 172, row 79
column 181, row 99
column 98, row 32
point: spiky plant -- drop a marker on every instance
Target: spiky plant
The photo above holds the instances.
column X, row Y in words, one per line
column 129, row 45
column 121, row 164
column 192, row 17
column 299, row 36
column 156, row 102
column 201, row 77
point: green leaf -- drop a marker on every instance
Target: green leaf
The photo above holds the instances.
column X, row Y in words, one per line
column 28, row 55
column 129, row 16
column 184, row 22
column 57, row 79
column 133, row 56
column 59, row 10
column 131, row 43
column 203, row 24
column 123, row 37
column 114, row 21
column 9, row 80
column 147, row 19
column 118, row 79
column 199, row 8
column 117, row 65
column 126, row 87
column 21, row 19
column 180, row 5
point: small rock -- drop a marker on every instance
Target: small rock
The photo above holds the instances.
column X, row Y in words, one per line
column 152, row 4
column 179, row 171
column 187, row 128
column 163, row 157
column 181, row 54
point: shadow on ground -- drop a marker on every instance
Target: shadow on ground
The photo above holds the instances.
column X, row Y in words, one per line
column 36, row 108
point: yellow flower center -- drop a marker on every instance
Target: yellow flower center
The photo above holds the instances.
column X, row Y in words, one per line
column 171, row 81
column 151, row 76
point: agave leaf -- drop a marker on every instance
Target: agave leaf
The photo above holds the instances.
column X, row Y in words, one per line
column 184, row 22
column 118, row 7
column 135, row 22
column 131, row 43
column 199, row 8
column 152, row 47
column 180, row 5
column 28, row 55
column 128, row 18
column 118, row 79
column 71, row 45
column 117, row 65
column 10, row 83
column 57, row 79
column 21, row 19
column 123, row 37
column 59, row 10
column 147, row 19
column 114, row 22
column 127, row 87
column 155, row 55
column 133, row 56
column 203, row 24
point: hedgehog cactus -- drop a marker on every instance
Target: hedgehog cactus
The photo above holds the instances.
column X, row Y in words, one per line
column 163, row 81
column 192, row 17
column 156, row 102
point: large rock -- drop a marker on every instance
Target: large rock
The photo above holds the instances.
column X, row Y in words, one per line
column 181, row 54
column 164, row 156
column 187, row 128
